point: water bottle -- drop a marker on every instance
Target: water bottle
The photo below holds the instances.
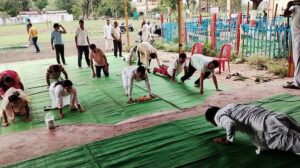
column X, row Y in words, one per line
column 49, row 120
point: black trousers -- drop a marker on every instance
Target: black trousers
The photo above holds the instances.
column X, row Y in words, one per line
column 60, row 50
column 34, row 41
column 86, row 51
column 117, row 47
column 191, row 70
column 98, row 71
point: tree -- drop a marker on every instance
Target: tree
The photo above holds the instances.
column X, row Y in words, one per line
column 67, row 4
column 26, row 5
column 10, row 7
column 40, row 4
column 109, row 8
column 172, row 5
column 256, row 4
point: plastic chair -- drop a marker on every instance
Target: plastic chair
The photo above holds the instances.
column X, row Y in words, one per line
column 224, row 56
column 197, row 48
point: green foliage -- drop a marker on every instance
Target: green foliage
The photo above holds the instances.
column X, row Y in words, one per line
column 4, row 14
column 172, row 47
column 109, row 8
column 26, row 5
column 10, row 7
column 76, row 10
column 67, row 5
column 278, row 67
column 40, row 4
column 260, row 62
column 207, row 50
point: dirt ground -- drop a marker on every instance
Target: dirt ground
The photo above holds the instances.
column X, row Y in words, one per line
column 23, row 145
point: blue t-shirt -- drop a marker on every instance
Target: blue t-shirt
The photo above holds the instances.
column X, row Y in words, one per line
column 56, row 36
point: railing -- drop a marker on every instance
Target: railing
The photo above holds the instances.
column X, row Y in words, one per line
column 269, row 37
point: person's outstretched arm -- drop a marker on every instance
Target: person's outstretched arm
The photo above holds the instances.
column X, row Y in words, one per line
column 27, row 112
column 63, row 30
column 202, row 75
column 65, row 73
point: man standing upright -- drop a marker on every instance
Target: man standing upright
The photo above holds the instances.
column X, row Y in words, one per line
column 293, row 8
column 107, row 36
column 33, row 36
column 116, row 35
column 57, row 43
column 82, row 43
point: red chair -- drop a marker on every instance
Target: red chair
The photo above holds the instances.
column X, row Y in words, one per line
column 196, row 49
column 224, row 56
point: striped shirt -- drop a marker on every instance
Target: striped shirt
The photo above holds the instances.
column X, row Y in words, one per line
column 56, row 37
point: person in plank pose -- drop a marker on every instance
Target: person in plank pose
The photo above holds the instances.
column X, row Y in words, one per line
column 15, row 102
column 204, row 64
column 53, row 73
column 131, row 74
column 63, row 93
column 268, row 130
column 174, row 68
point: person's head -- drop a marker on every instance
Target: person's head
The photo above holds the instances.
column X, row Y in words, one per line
column 140, row 72
column 182, row 57
column 14, row 99
column 107, row 22
column 29, row 25
column 81, row 23
column 211, row 113
column 8, row 81
column 115, row 24
column 28, row 21
column 67, row 85
column 148, row 23
column 56, row 26
column 153, row 55
column 93, row 47
column 213, row 64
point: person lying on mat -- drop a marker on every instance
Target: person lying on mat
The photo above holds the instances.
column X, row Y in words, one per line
column 132, row 57
column 8, row 79
column 129, row 74
column 267, row 129
column 15, row 101
column 53, row 73
column 63, row 93
column 146, row 52
column 174, row 69
column 98, row 58
column 204, row 64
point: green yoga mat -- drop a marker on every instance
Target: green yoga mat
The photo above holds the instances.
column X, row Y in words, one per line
column 103, row 99
column 186, row 143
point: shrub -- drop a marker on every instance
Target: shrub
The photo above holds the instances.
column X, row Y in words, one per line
column 278, row 67
column 260, row 62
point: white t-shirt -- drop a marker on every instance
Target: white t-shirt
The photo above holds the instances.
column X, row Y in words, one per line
column 116, row 32
column 296, row 20
column 200, row 62
column 177, row 66
column 81, row 37
column 107, row 32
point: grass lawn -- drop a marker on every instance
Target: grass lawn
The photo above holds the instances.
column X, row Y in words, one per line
column 17, row 35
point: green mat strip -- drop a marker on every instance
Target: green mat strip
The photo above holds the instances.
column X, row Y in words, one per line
column 185, row 143
column 103, row 99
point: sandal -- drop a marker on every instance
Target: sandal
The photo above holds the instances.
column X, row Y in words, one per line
column 291, row 86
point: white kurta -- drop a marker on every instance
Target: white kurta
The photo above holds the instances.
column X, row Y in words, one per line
column 267, row 130
column 145, row 49
column 132, row 57
column 296, row 43
column 128, row 76
column 146, row 33
column 108, row 38
column 61, row 98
